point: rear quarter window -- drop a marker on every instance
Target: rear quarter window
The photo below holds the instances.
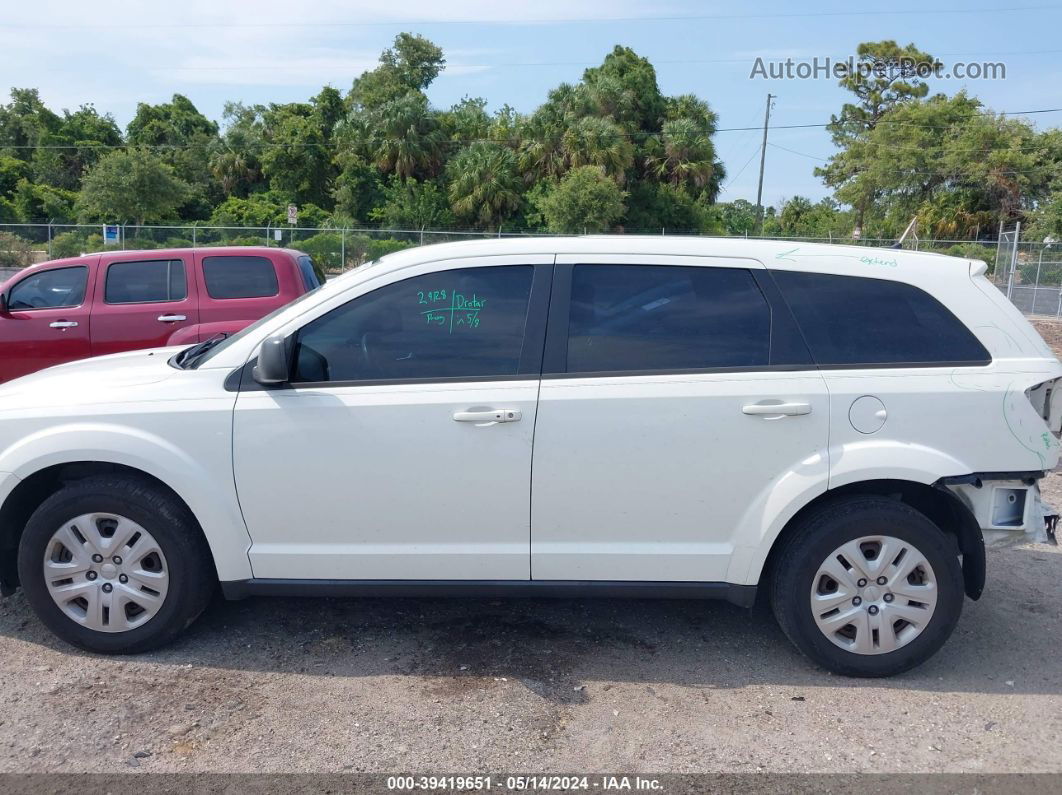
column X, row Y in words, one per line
column 853, row 320
column 229, row 277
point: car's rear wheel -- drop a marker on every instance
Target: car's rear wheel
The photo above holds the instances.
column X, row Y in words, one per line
column 867, row 586
column 115, row 565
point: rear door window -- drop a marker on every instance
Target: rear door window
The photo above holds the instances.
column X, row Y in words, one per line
column 643, row 318
column 853, row 320
column 145, row 281
column 228, row 277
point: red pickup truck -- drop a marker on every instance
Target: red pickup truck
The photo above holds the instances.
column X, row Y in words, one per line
column 97, row 304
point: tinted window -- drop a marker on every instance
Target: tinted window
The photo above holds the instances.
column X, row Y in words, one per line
column 309, row 276
column 852, row 320
column 452, row 324
column 50, row 289
column 239, row 277
column 636, row 317
column 147, row 281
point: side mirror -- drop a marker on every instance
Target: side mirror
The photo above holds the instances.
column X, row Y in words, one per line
column 3, row 303
column 273, row 362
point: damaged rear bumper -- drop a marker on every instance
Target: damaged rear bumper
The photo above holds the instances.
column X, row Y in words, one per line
column 1007, row 506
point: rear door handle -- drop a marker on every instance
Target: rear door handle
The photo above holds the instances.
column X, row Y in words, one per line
column 63, row 324
column 171, row 318
column 776, row 410
column 488, row 416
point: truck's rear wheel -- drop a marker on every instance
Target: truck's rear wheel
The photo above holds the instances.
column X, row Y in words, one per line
column 867, row 586
column 115, row 565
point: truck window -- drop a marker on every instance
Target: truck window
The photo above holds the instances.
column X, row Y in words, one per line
column 309, row 273
column 145, row 281
column 51, row 289
column 239, row 277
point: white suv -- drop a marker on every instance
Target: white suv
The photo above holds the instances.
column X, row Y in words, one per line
column 627, row 416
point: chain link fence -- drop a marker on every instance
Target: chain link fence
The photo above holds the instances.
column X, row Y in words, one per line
column 1029, row 273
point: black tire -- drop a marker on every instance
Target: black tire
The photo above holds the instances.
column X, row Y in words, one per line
column 192, row 577
column 825, row 530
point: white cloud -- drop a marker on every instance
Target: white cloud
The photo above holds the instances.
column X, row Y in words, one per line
column 116, row 52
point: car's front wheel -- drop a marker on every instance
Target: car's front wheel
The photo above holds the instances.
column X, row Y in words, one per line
column 115, row 565
column 867, row 586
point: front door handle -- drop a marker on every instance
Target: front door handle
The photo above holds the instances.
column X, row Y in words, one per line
column 488, row 416
column 63, row 324
column 171, row 318
column 774, row 411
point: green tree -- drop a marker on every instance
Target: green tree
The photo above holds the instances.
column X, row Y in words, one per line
column 409, row 66
column 684, row 155
column 467, row 121
column 357, row 190
column 403, row 137
column 885, row 78
column 593, row 141
column 81, row 138
column 800, row 217
column 296, row 159
column 585, row 200
column 653, row 206
column 25, row 121
column 624, row 88
column 35, row 203
column 235, row 161
column 738, row 217
column 947, row 161
column 408, row 204
column 12, row 171
column 184, row 139
column 133, row 186
column 484, row 184
column 269, row 209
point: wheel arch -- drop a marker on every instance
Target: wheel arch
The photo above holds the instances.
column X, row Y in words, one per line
column 935, row 502
column 225, row 534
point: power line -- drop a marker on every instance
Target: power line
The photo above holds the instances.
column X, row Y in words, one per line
column 908, row 171
column 293, row 23
column 466, row 141
column 275, row 66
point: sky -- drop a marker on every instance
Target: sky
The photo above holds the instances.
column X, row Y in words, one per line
column 115, row 54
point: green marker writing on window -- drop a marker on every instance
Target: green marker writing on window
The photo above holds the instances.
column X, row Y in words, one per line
column 463, row 310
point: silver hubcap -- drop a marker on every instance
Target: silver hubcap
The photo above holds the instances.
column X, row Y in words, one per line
column 874, row 595
column 106, row 572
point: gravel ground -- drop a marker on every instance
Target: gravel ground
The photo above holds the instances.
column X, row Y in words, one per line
column 452, row 686
column 269, row 685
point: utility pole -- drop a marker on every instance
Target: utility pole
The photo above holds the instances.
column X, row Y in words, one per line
column 763, row 157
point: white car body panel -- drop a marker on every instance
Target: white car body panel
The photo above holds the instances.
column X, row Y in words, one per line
column 133, row 409
column 580, row 512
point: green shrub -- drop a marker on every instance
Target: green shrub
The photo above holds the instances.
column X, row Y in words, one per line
column 69, row 244
column 15, row 252
column 324, row 248
column 378, row 248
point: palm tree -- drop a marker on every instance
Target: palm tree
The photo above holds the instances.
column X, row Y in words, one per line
column 593, row 141
column 236, row 170
column 683, row 155
column 541, row 151
column 403, row 137
column 484, row 184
